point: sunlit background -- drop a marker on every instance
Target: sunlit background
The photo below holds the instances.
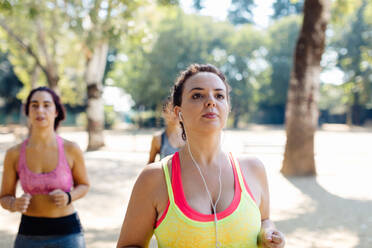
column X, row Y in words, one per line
column 141, row 47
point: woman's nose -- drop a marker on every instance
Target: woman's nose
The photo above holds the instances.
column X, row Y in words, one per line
column 210, row 102
column 40, row 109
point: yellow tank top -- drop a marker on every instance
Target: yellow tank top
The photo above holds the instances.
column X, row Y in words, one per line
column 181, row 226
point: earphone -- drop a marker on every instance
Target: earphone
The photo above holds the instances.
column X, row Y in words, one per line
column 180, row 115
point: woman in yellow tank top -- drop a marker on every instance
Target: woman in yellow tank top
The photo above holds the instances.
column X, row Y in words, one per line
column 201, row 196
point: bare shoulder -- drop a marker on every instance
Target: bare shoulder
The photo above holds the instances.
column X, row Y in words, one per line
column 157, row 136
column 151, row 185
column 251, row 163
column 252, row 166
column 14, row 151
column 152, row 175
column 71, row 147
column 12, row 156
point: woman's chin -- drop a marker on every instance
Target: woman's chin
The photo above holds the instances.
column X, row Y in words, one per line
column 212, row 127
column 40, row 125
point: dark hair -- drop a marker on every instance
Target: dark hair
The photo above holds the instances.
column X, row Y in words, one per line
column 57, row 102
column 192, row 70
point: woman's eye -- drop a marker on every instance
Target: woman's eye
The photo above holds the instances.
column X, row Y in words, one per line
column 220, row 96
column 196, row 96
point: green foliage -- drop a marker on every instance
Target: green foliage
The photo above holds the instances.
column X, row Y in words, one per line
column 240, row 12
column 149, row 118
column 110, row 117
column 148, row 74
column 168, row 2
column 9, row 86
column 355, row 46
column 244, row 66
column 71, row 30
column 39, row 27
column 95, row 21
column 149, row 70
column 5, row 5
column 284, row 8
column 342, row 10
column 283, row 35
column 334, row 98
column 198, row 4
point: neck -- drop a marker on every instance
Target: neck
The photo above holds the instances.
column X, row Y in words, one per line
column 42, row 136
column 206, row 150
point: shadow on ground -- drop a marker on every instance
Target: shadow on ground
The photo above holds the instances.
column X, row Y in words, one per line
column 331, row 213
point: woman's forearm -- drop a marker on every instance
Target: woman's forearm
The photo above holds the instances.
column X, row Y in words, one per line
column 267, row 223
column 79, row 191
column 7, row 202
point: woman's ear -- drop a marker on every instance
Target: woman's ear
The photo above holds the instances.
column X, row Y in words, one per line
column 177, row 111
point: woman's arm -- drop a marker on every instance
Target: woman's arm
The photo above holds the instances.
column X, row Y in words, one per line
column 155, row 148
column 79, row 174
column 9, row 181
column 270, row 237
column 141, row 215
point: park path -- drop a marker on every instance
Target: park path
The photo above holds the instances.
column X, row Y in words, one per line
column 330, row 210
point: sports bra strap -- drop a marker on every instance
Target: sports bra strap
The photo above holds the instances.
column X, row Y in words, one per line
column 168, row 180
column 238, row 170
column 22, row 155
column 61, row 151
column 243, row 184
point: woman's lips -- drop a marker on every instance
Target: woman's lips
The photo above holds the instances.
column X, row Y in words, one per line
column 210, row 115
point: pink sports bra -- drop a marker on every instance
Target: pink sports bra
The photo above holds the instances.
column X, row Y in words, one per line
column 43, row 183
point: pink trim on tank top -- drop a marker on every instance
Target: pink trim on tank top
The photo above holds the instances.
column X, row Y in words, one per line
column 182, row 204
column 180, row 199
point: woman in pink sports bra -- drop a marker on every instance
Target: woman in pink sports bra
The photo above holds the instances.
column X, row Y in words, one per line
column 201, row 196
column 52, row 174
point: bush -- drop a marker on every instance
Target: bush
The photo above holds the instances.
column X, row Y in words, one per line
column 110, row 116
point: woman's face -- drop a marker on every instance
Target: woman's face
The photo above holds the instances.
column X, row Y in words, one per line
column 42, row 110
column 204, row 102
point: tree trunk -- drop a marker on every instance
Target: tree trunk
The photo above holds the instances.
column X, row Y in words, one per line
column 349, row 120
column 356, row 110
column 96, row 63
column 34, row 76
column 236, row 120
column 301, row 110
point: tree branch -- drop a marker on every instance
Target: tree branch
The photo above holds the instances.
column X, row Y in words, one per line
column 22, row 44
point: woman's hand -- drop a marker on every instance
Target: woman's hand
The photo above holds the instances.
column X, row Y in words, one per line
column 59, row 197
column 272, row 238
column 20, row 204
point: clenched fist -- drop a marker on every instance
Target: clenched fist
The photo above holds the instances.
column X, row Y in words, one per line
column 59, row 197
column 20, row 204
column 271, row 238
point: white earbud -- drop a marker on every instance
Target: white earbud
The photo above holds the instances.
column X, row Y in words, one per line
column 180, row 115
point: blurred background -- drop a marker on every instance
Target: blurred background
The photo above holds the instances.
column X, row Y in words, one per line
column 123, row 56
column 113, row 62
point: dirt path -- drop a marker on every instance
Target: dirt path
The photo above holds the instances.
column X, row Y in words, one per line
column 332, row 210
